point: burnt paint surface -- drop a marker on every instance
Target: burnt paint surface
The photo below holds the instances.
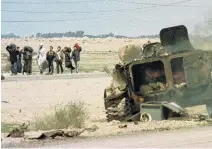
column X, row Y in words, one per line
column 199, row 93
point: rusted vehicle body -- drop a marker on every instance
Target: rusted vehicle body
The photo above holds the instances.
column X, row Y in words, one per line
column 185, row 72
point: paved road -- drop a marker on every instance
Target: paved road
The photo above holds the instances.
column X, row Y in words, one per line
column 187, row 138
column 52, row 77
column 199, row 137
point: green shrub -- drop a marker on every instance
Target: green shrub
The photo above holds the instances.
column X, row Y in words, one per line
column 74, row 114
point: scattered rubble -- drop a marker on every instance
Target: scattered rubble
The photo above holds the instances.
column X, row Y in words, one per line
column 97, row 129
column 18, row 131
column 5, row 101
column 52, row 134
column 23, row 132
column 122, row 126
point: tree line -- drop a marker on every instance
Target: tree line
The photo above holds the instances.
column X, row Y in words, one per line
column 78, row 34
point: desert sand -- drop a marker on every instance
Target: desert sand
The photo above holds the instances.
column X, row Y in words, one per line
column 25, row 99
column 96, row 54
column 88, row 44
column 39, row 97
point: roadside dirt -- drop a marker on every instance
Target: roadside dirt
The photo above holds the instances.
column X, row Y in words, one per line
column 25, row 99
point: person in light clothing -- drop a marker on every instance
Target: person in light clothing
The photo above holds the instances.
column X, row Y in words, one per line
column 41, row 58
column 59, row 60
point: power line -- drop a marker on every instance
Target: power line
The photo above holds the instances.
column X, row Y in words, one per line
column 37, row 21
column 73, row 12
column 122, row 1
column 155, row 4
column 55, row 2
column 68, row 20
column 81, row 19
column 100, row 11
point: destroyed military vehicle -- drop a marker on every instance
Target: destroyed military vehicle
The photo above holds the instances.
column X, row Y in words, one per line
column 181, row 77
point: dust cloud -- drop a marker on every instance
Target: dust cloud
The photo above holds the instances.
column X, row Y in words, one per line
column 201, row 37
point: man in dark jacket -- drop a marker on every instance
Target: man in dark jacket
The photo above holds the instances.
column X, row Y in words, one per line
column 50, row 56
column 76, row 56
column 13, row 57
column 19, row 64
column 68, row 63
column 27, row 57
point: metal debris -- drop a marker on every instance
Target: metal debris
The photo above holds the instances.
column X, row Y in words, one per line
column 70, row 132
column 122, row 126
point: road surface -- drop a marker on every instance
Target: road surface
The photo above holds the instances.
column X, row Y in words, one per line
column 195, row 137
column 200, row 137
column 55, row 76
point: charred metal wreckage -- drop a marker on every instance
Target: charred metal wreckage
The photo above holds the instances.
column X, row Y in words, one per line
column 159, row 80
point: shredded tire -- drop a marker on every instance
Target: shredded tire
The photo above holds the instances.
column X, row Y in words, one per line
column 117, row 109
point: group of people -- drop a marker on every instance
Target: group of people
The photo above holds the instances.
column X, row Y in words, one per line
column 45, row 59
column 16, row 55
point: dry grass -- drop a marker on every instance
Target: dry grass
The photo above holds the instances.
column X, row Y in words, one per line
column 74, row 114
column 7, row 67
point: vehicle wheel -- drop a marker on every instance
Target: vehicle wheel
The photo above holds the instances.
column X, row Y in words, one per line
column 118, row 109
column 145, row 117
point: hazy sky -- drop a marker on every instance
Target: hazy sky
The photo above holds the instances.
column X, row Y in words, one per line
column 123, row 17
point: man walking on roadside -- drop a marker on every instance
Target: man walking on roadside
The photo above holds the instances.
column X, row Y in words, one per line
column 68, row 63
column 76, row 56
column 50, row 56
column 59, row 60
column 13, row 58
column 27, row 57
column 19, row 63
column 41, row 58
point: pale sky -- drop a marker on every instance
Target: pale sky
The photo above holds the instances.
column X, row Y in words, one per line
column 122, row 17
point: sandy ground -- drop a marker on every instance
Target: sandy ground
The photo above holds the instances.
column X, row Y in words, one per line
column 96, row 54
column 88, row 44
column 22, row 100
column 37, row 97
column 28, row 98
column 25, row 99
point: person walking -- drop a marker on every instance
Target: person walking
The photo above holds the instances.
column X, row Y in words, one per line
column 68, row 63
column 50, row 56
column 19, row 63
column 76, row 56
column 41, row 58
column 13, row 58
column 59, row 60
column 27, row 57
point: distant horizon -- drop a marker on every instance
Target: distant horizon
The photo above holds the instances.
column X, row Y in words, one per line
column 84, row 34
column 96, row 17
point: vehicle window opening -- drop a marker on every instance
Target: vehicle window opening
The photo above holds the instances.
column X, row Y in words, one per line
column 178, row 71
column 149, row 77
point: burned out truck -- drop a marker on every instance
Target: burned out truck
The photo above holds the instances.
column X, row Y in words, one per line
column 179, row 77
